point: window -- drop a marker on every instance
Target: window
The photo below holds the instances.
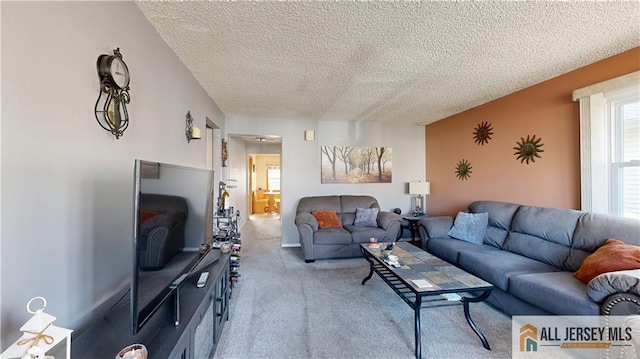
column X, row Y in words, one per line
column 625, row 166
column 610, row 146
column 273, row 179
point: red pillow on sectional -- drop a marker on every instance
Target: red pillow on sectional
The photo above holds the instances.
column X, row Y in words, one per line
column 614, row 255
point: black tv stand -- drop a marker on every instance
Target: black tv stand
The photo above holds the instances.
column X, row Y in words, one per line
column 187, row 327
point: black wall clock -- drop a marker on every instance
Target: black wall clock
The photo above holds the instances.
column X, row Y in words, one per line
column 111, row 106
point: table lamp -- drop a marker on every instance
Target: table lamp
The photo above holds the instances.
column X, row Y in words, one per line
column 418, row 189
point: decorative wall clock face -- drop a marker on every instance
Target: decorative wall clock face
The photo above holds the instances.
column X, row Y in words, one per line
column 119, row 72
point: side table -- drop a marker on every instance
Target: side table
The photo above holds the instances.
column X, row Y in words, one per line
column 413, row 224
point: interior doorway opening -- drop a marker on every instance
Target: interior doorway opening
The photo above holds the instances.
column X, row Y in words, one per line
column 264, row 185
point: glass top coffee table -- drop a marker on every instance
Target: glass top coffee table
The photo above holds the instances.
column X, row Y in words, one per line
column 423, row 280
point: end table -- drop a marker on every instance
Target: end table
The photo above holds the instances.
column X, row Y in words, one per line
column 413, row 224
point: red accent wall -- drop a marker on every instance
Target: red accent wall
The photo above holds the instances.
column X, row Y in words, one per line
column 545, row 110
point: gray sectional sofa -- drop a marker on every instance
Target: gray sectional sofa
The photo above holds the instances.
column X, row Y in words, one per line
column 530, row 254
column 321, row 243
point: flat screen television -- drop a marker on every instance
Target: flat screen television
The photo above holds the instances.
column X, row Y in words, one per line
column 173, row 217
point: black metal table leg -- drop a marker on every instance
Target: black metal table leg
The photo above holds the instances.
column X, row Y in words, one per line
column 467, row 315
column 365, row 255
column 418, row 304
column 370, row 274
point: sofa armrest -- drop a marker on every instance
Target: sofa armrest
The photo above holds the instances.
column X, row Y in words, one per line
column 307, row 224
column 390, row 222
column 433, row 227
column 621, row 304
column 308, row 219
column 606, row 284
column 436, row 227
column 385, row 219
column 167, row 220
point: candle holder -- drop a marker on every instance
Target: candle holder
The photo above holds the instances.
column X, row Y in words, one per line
column 191, row 131
column 133, row 351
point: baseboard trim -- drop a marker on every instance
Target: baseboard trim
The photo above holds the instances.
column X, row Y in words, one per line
column 291, row 245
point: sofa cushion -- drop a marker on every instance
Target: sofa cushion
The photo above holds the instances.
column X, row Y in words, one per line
column 319, row 203
column 469, row 227
column 497, row 267
column 543, row 234
column 350, row 203
column 362, row 234
column 558, row 292
column 606, row 284
column 594, row 229
column 366, row 217
column 614, row 255
column 332, row 236
column 500, row 218
column 449, row 248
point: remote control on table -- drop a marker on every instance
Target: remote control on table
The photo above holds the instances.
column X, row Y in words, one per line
column 203, row 279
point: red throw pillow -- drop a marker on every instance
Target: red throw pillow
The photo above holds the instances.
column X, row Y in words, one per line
column 147, row 215
column 614, row 255
column 327, row 219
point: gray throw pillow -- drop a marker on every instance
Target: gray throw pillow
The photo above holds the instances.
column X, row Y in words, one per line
column 603, row 285
column 366, row 217
column 470, row 227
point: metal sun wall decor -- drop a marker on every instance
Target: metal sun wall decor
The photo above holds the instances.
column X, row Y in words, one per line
column 463, row 169
column 482, row 133
column 527, row 150
column 347, row 164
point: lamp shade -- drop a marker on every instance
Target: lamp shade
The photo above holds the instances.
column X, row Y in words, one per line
column 419, row 188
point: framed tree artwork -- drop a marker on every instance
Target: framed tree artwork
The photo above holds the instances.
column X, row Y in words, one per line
column 347, row 164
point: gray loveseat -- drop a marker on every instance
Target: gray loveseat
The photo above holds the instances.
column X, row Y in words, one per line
column 320, row 243
column 530, row 254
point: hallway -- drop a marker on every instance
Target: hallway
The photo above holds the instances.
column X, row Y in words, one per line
column 261, row 227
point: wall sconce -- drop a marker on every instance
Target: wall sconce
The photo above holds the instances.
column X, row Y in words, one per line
column 111, row 105
column 191, row 131
column 309, row 135
column 419, row 188
column 40, row 336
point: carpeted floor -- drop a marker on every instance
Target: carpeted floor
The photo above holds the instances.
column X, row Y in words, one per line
column 283, row 307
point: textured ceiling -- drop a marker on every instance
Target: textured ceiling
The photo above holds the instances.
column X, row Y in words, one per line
column 395, row 62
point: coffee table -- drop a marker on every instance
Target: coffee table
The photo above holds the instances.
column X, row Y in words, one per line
column 444, row 278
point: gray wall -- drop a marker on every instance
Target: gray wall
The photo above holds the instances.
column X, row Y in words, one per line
column 66, row 183
column 300, row 161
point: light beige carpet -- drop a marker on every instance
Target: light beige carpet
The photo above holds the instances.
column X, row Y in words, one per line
column 283, row 307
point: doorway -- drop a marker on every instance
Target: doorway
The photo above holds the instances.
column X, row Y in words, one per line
column 261, row 163
column 264, row 185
